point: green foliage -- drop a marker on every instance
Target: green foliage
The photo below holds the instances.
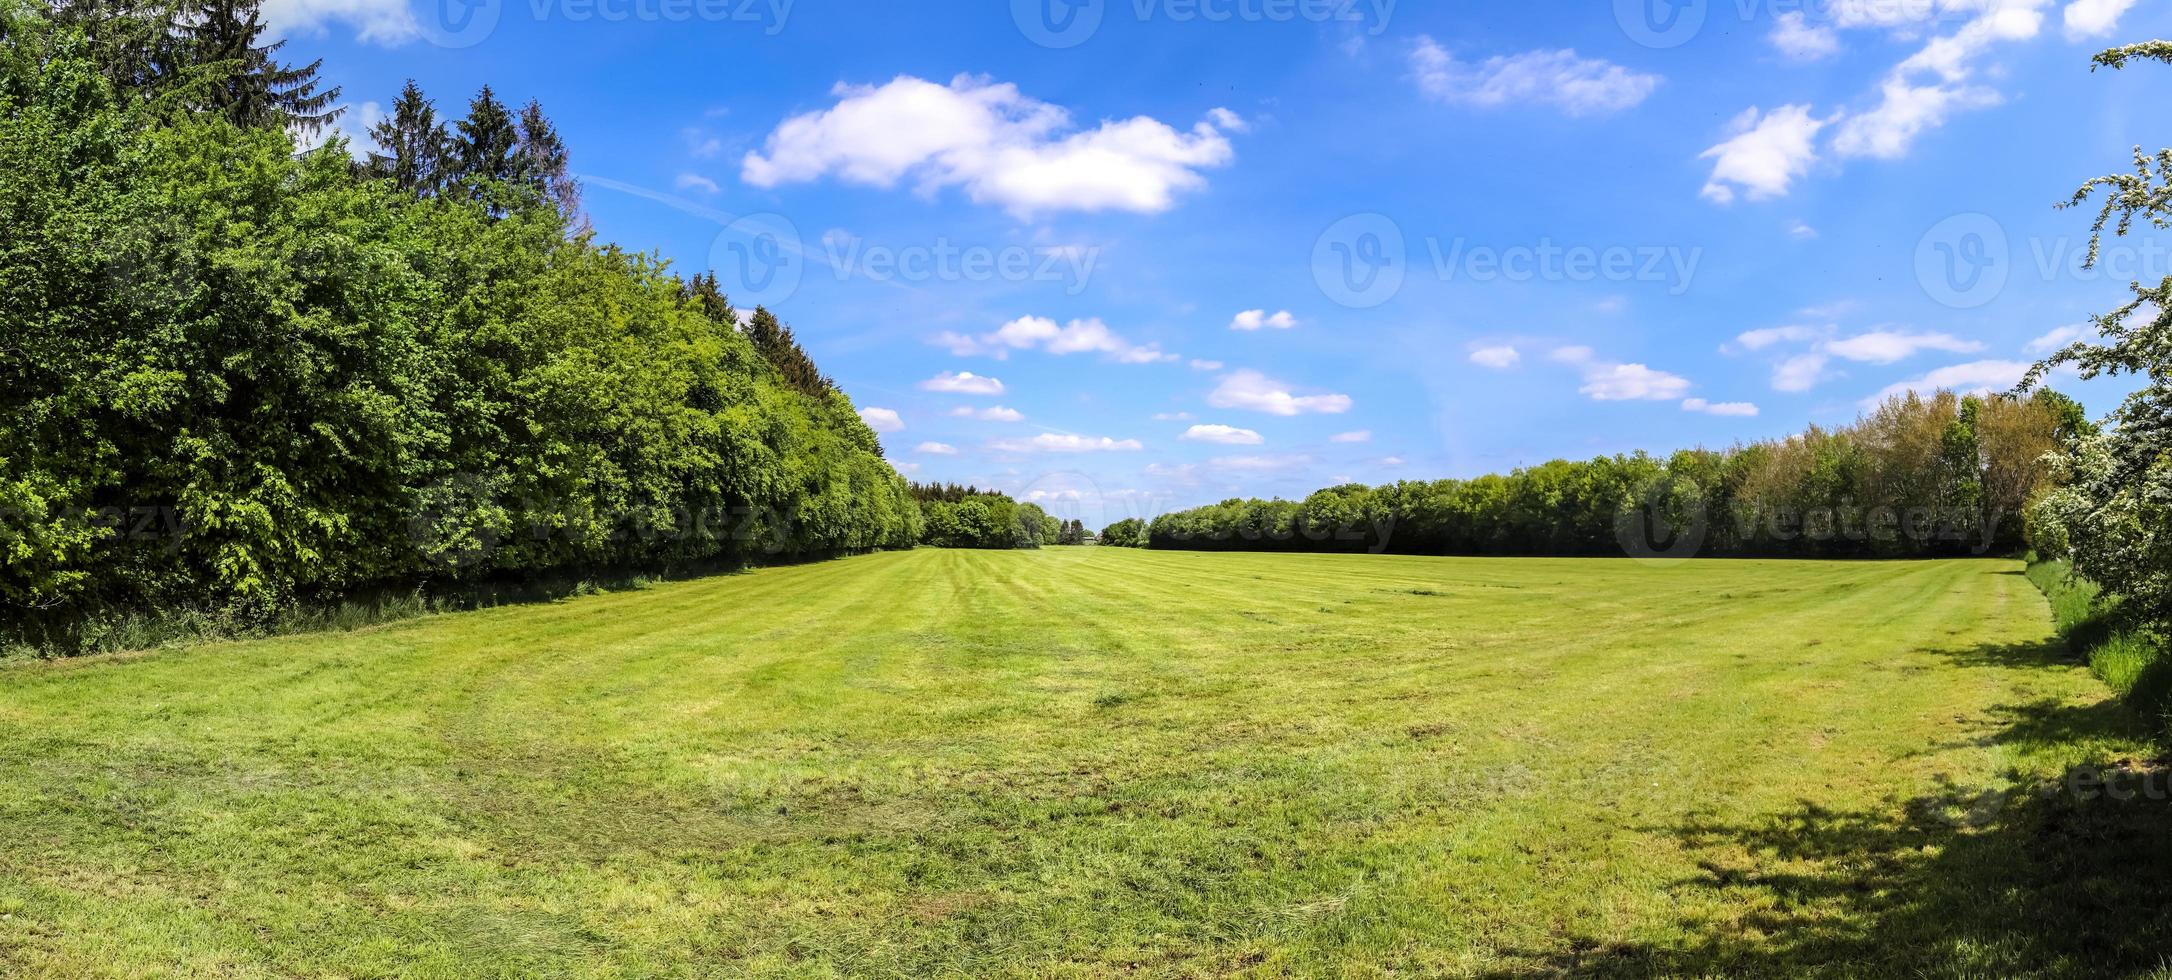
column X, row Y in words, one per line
column 250, row 87
column 1920, row 476
column 1127, row 533
column 237, row 378
column 2111, row 515
column 968, row 517
column 2129, row 655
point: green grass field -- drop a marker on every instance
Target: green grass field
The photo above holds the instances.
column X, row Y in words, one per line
column 1099, row 762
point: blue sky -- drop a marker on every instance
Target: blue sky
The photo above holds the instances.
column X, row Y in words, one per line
column 1255, row 247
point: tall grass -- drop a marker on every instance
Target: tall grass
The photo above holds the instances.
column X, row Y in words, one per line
column 2131, row 658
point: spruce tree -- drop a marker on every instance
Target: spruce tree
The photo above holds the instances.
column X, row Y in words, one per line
column 545, row 163
column 775, row 342
column 254, row 89
column 486, row 149
column 413, row 144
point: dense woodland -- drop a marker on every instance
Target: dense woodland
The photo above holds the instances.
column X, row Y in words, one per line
column 237, row 374
column 1941, row 475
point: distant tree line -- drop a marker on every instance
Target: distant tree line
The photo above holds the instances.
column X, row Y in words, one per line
column 1920, row 476
column 969, row 517
column 239, row 375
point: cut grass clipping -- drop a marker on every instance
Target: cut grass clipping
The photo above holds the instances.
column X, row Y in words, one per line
column 1105, row 762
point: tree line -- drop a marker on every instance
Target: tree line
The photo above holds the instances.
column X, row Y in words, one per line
column 238, row 375
column 1919, row 476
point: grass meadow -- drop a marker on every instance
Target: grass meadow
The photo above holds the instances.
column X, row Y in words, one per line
column 1103, row 762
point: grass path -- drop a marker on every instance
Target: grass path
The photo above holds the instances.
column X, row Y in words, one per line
column 1097, row 762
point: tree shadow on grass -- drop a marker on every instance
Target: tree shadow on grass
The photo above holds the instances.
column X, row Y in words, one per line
column 2062, row 877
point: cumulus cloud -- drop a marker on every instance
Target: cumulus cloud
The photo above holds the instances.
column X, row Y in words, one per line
column 1256, row 392
column 1172, row 416
column 1089, row 336
column 882, row 419
column 1799, row 373
column 996, row 414
column 1052, row 442
column 695, row 182
column 1606, row 381
column 1498, row 358
column 1799, row 40
column 963, row 383
column 1256, row 319
column 1227, row 435
column 1764, row 153
column 999, row 146
column 1975, row 377
column 1886, row 347
column 1801, row 230
column 936, row 449
column 1361, row 435
column 1764, row 337
column 1576, row 86
column 2094, row 18
column 1199, row 364
column 374, row 21
column 1732, row 409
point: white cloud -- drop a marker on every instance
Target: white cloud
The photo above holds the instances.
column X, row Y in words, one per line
column 936, row 449
column 1253, row 391
column 2061, row 337
column 1391, row 461
column 1498, row 358
column 1051, row 442
column 1903, row 112
column 1975, row 377
column 1576, row 86
column 1731, row 409
column 999, row 145
column 1227, row 435
column 1609, row 382
column 963, row 383
column 2094, row 18
column 1764, row 153
column 1037, row 332
column 1225, row 119
column 375, row 21
column 1361, row 435
column 996, row 414
column 1172, row 416
column 1799, row 373
column 1764, row 337
column 1886, row 347
column 1205, row 365
column 695, row 182
column 1255, row 319
column 1800, row 40
column 882, row 420
column 1801, row 230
